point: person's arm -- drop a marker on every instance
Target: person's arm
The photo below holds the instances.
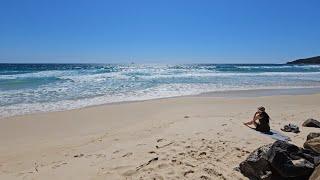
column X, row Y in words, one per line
column 253, row 119
column 255, row 116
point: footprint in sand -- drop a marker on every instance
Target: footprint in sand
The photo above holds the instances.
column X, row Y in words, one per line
column 173, row 150
column 127, row 155
column 188, row 172
column 204, row 177
column 203, row 154
column 165, row 145
column 157, row 177
column 176, row 162
column 213, row 172
column 58, row 165
column 78, row 155
column 100, row 155
column 219, row 134
column 189, row 164
column 152, row 152
column 141, row 144
column 160, row 140
column 129, row 173
column 163, row 165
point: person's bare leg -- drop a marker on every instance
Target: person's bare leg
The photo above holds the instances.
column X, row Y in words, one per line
column 249, row 123
column 252, row 121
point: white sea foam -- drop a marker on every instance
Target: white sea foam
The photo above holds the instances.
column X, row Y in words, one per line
column 162, row 91
column 76, row 88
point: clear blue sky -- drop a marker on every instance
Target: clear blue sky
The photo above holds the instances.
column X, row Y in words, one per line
column 158, row 31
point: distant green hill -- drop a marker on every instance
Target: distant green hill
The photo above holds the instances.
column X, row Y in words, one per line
column 311, row 60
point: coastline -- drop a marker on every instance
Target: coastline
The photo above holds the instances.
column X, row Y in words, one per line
column 263, row 92
column 38, row 88
column 111, row 141
column 240, row 93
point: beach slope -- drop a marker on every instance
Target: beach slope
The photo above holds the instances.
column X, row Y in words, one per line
column 199, row 137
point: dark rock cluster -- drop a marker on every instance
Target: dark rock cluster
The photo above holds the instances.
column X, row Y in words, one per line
column 311, row 123
column 284, row 161
column 280, row 160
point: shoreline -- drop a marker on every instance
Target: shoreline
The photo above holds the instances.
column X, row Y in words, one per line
column 221, row 94
column 263, row 92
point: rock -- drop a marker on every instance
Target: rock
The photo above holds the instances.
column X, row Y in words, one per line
column 289, row 161
column 280, row 160
column 256, row 165
column 316, row 174
column 313, row 144
column 311, row 123
column 313, row 135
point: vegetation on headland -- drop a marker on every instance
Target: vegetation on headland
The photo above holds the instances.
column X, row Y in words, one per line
column 311, row 60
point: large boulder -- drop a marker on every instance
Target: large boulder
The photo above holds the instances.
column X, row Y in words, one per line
column 289, row 161
column 280, row 160
column 256, row 165
column 313, row 135
column 316, row 174
column 311, row 123
column 313, row 144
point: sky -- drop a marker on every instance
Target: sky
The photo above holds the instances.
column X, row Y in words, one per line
column 158, row 31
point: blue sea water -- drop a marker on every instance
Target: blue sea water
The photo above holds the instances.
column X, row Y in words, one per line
column 29, row 88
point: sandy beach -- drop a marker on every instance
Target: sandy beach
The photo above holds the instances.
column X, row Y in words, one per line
column 200, row 137
column 159, row 90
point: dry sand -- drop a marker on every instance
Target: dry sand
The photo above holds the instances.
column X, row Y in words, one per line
column 175, row 138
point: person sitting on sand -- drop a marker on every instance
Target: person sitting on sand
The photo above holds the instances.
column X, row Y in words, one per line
column 260, row 120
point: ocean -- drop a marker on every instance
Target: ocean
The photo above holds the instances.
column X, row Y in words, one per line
column 30, row 88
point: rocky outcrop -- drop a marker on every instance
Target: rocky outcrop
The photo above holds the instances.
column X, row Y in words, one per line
column 256, row 166
column 313, row 144
column 280, row 160
column 316, row 174
column 313, row 135
column 311, row 123
column 289, row 161
column 311, row 60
